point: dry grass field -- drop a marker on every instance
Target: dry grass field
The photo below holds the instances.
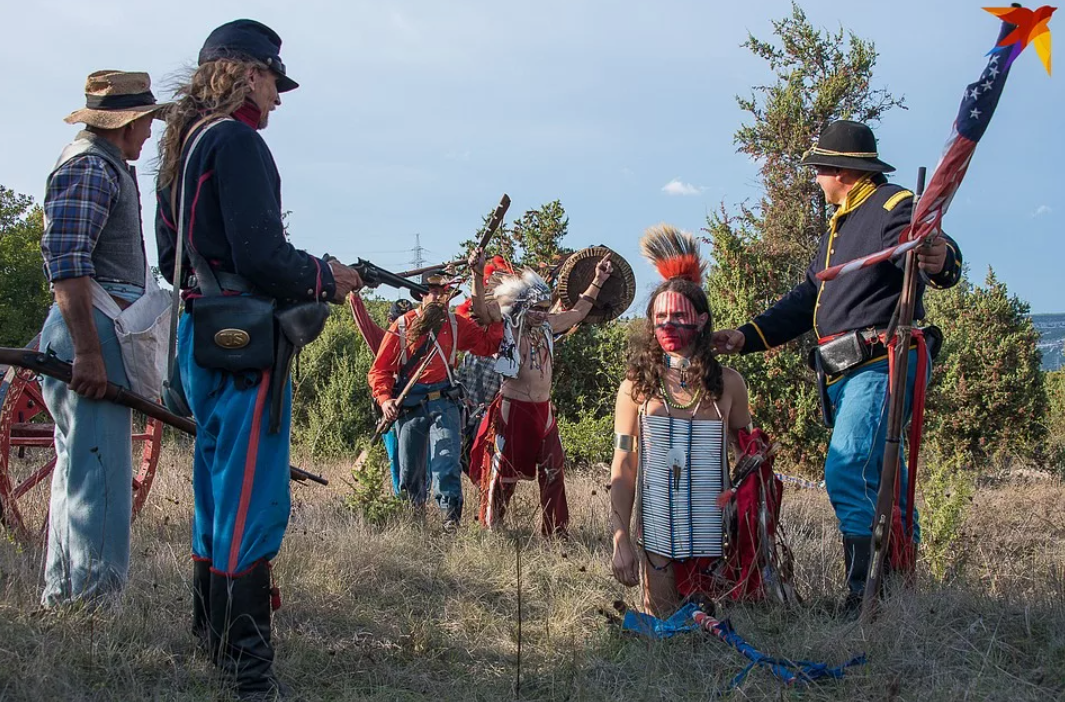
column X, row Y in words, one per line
column 401, row 611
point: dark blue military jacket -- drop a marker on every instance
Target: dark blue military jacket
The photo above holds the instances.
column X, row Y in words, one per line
column 233, row 217
column 872, row 219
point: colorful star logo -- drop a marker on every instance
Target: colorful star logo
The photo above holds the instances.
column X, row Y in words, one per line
column 1031, row 28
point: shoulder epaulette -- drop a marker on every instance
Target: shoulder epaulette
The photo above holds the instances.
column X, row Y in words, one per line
column 896, row 199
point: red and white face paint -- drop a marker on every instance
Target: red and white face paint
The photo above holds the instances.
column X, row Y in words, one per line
column 676, row 321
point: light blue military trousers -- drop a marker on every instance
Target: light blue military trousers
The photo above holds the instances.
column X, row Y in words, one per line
column 856, row 451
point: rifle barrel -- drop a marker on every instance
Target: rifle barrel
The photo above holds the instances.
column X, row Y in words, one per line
column 47, row 364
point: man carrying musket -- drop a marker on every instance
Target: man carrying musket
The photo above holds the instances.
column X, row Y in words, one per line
column 850, row 316
column 93, row 246
column 219, row 198
column 428, row 423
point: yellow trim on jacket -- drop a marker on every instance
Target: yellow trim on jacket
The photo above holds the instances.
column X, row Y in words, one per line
column 863, row 188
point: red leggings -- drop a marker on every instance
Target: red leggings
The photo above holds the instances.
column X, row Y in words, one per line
column 519, row 440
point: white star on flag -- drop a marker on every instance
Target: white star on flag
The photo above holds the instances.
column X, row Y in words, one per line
column 987, row 86
column 975, row 93
column 974, row 113
column 994, row 72
column 994, row 59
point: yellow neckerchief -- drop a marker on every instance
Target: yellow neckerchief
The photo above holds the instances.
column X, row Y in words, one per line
column 858, row 194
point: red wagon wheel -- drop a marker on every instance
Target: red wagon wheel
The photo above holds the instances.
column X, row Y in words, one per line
column 27, row 453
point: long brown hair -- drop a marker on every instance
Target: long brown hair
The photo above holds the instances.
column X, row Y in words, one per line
column 217, row 87
column 646, row 362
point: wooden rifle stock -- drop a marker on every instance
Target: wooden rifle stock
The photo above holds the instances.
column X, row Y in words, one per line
column 900, row 327
column 47, row 363
column 489, row 230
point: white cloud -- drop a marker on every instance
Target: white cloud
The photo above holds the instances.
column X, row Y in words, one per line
column 676, row 187
column 1042, row 210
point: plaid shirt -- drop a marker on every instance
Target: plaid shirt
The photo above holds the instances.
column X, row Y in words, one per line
column 478, row 375
column 80, row 196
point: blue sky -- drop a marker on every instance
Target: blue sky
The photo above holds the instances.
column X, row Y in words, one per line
column 414, row 117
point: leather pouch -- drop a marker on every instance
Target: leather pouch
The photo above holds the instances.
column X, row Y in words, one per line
column 844, row 352
column 233, row 333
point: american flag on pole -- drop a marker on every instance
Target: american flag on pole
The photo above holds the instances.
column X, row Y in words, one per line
column 977, row 106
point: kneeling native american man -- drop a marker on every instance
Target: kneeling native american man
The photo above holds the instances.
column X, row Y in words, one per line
column 518, row 438
column 677, row 410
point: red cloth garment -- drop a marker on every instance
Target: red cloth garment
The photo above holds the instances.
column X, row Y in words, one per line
column 744, row 557
column 519, row 440
column 371, row 333
column 472, row 338
column 250, row 114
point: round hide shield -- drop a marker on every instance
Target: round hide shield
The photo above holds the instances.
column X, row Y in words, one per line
column 578, row 272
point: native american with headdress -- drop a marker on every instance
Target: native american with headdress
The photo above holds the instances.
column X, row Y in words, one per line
column 518, row 437
column 678, row 410
column 428, row 422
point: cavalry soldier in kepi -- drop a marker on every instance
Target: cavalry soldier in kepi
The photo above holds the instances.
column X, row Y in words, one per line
column 518, row 438
column 221, row 235
column 428, row 424
column 850, row 316
column 93, row 248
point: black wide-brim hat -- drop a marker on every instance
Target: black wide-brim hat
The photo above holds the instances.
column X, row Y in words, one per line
column 846, row 144
column 245, row 38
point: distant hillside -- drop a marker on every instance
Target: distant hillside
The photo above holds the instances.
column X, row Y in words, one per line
column 1051, row 328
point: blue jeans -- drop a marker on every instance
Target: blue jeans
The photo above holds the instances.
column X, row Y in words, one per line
column 240, row 472
column 429, row 432
column 91, row 504
column 856, row 450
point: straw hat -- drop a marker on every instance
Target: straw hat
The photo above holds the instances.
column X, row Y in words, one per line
column 113, row 99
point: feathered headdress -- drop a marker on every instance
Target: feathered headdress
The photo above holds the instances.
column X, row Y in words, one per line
column 675, row 254
column 517, row 293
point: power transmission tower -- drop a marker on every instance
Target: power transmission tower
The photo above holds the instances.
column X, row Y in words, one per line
column 419, row 259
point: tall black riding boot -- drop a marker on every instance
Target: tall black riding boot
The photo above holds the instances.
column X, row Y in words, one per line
column 201, row 607
column 857, row 551
column 240, row 611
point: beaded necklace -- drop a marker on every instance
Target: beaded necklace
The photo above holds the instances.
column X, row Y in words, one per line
column 668, row 398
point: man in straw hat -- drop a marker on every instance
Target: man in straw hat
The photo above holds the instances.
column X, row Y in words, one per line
column 850, row 316
column 427, row 423
column 93, row 248
column 219, row 198
column 518, row 437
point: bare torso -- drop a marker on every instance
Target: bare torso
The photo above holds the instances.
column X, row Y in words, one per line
column 533, row 383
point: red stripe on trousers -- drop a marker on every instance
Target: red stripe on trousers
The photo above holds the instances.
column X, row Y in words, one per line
column 249, row 470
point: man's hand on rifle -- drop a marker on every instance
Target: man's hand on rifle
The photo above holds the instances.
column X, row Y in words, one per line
column 390, row 409
column 932, row 257
column 89, row 377
column 476, row 261
column 347, row 280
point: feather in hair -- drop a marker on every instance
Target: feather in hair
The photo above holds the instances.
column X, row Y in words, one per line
column 675, row 254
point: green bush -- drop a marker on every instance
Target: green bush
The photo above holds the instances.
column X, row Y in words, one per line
column 332, row 409
column 589, row 367
column 987, row 399
column 588, row 439
column 1054, row 382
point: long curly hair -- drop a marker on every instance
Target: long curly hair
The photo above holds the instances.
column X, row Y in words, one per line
column 645, row 362
column 217, row 87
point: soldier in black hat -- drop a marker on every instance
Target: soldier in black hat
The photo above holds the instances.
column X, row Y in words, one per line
column 222, row 242
column 853, row 312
